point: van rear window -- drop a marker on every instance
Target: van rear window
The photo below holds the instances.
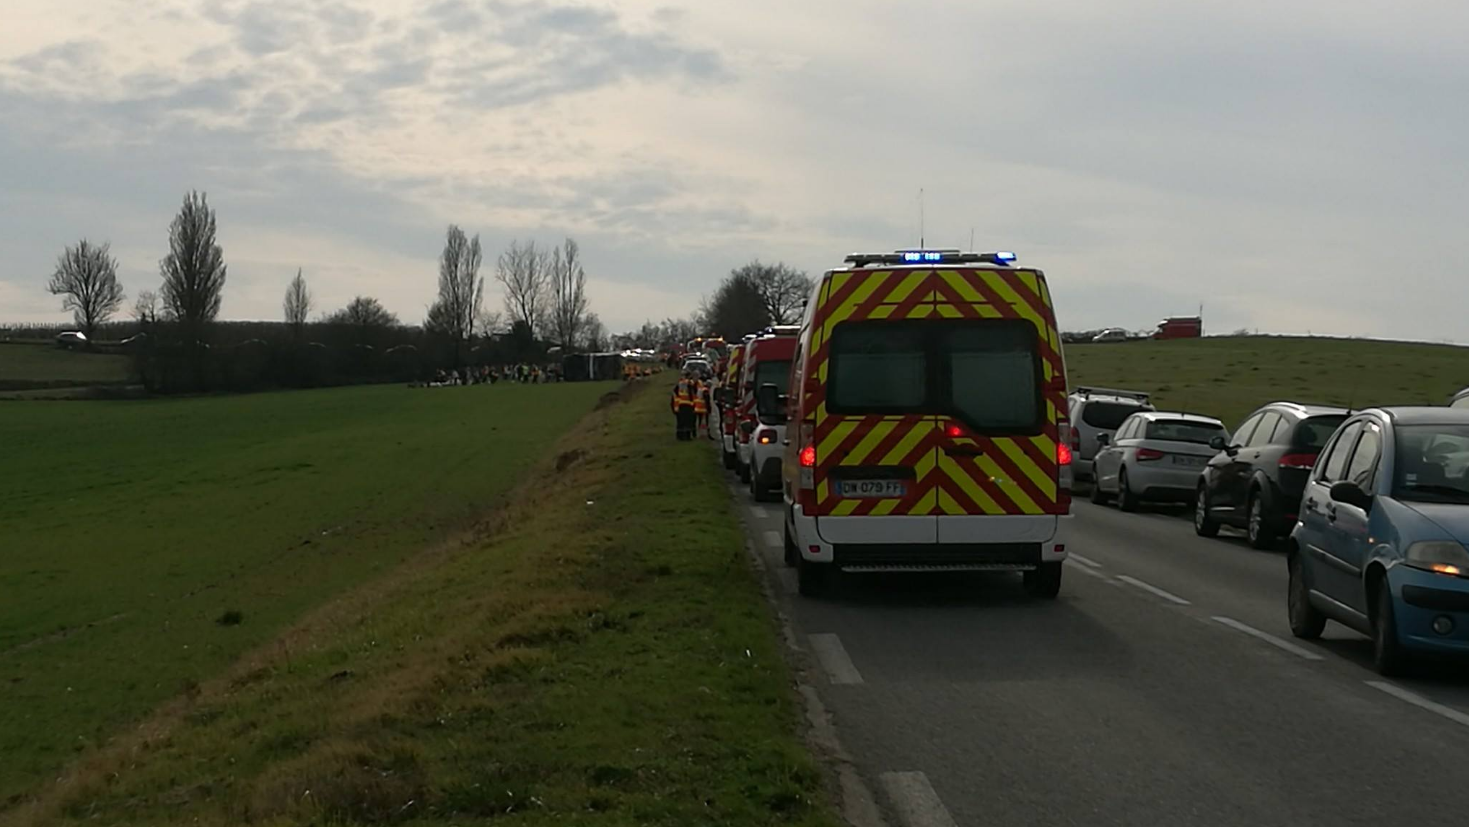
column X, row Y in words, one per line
column 1108, row 416
column 985, row 372
column 773, row 373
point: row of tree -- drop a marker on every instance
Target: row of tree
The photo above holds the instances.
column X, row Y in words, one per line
column 545, row 297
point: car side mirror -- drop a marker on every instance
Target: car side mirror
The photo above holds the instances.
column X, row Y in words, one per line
column 1104, row 440
column 1349, row 493
column 1218, row 443
column 747, row 427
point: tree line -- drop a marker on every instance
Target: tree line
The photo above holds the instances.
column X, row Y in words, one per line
column 545, row 305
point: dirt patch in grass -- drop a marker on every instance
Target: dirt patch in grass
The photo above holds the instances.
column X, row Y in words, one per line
column 589, row 655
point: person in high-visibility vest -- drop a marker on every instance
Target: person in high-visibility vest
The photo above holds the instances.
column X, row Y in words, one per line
column 683, row 409
column 701, row 406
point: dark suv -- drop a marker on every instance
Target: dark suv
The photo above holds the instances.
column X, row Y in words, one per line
column 1256, row 480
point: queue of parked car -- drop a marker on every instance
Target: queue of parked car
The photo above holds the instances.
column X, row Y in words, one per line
column 1372, row 505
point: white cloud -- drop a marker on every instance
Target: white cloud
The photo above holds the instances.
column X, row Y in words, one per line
column 1151, row 156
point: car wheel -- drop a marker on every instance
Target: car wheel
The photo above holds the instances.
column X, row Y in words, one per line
column 1387, row 652
column 1126, row 499
column 1305, row 622
column 743, row 469
column 792, row 553
column 812, row 579
column 1044, row 582
column 1258, row 528
column 1098, row 496
column 1204, row 523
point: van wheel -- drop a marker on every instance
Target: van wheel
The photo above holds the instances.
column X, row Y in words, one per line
column 793, row 554
column 1098, row 496
column 812, row 579
column 744, row 471
column 1126, row 500
column 1305, row 622
column 1044, row 582
column 1261, row 534
column 1204, row 523
column 731, row 460
column 1387, row 653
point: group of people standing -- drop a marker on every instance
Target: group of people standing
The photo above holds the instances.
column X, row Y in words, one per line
column 486, row 375
column 690, row 406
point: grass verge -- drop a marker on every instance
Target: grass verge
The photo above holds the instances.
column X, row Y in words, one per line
column 130, row 530
column 600, row 654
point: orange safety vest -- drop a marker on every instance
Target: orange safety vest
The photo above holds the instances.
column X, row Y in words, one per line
column 700, row 406
column 681, row 396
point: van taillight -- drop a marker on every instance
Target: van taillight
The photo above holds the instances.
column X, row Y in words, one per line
column 808, row 456
column 1298, row 462
column 1063, row 454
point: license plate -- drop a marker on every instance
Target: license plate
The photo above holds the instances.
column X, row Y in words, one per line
column 1191, row 462
column 873, row 489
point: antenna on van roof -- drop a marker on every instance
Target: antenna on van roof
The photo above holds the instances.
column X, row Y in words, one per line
column 921, row 227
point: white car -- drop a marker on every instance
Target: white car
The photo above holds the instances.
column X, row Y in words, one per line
column 71, row 339
column 1094, row 412
column 1156, row 455
column 1111, row 334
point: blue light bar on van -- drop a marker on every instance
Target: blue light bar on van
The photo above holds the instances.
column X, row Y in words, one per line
column 1003, row 258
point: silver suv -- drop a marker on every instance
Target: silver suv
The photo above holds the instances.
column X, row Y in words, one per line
column 1096, row 411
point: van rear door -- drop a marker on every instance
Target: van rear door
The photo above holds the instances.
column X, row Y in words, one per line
column 875, row 439
column 998, row 479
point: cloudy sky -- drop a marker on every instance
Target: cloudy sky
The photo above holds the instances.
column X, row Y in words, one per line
column 1292, row 166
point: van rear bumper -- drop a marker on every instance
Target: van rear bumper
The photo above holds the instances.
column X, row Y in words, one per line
column 875, row 553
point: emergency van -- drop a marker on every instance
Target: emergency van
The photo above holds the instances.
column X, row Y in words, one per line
column 928, row 422
column 762, row 424
column 726, row 399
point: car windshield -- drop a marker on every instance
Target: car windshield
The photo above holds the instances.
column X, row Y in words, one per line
column 1314, row 432
column 1179, row 430
column 1432, row 463
column 1108, row 416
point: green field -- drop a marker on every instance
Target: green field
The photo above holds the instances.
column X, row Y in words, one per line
column 1230, row 377
column 598, row 653
column 130, row 530
column 34, row 365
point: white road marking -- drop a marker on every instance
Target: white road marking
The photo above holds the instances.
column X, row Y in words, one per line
column 759, row 512
column 1133, row 581
column 773, row 539
column 1088, row 572
column 915, row 800
column 834, row 660
column 1091, row 564
column 1421, row 702
column 1283, row 645
column 788, row 582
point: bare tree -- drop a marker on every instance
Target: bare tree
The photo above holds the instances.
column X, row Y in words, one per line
column 491, row 323
column 194, row 269
column 593, row 334
column 145, row 309
column 783, row 290
column 568, row 287
column 297, row 304
column 87, row 276
column 461, row 290
column 522, row 270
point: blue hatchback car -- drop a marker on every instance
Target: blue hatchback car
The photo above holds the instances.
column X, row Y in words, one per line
column 1380, row 545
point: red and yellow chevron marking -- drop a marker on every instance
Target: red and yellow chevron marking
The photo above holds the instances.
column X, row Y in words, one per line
column 1010, row 475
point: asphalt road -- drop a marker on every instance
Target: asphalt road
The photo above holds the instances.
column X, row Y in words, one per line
column 1162, row 688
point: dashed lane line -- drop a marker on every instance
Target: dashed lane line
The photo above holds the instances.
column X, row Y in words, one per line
column 915, row 800
column 1151, row 589
column 1091, row 564
column 1283, row 645
column 1421, row 702
column 773, row 539
column 833, row 658
column 759, row 512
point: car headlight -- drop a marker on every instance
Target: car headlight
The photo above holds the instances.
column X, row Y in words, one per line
column 1442, row 556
